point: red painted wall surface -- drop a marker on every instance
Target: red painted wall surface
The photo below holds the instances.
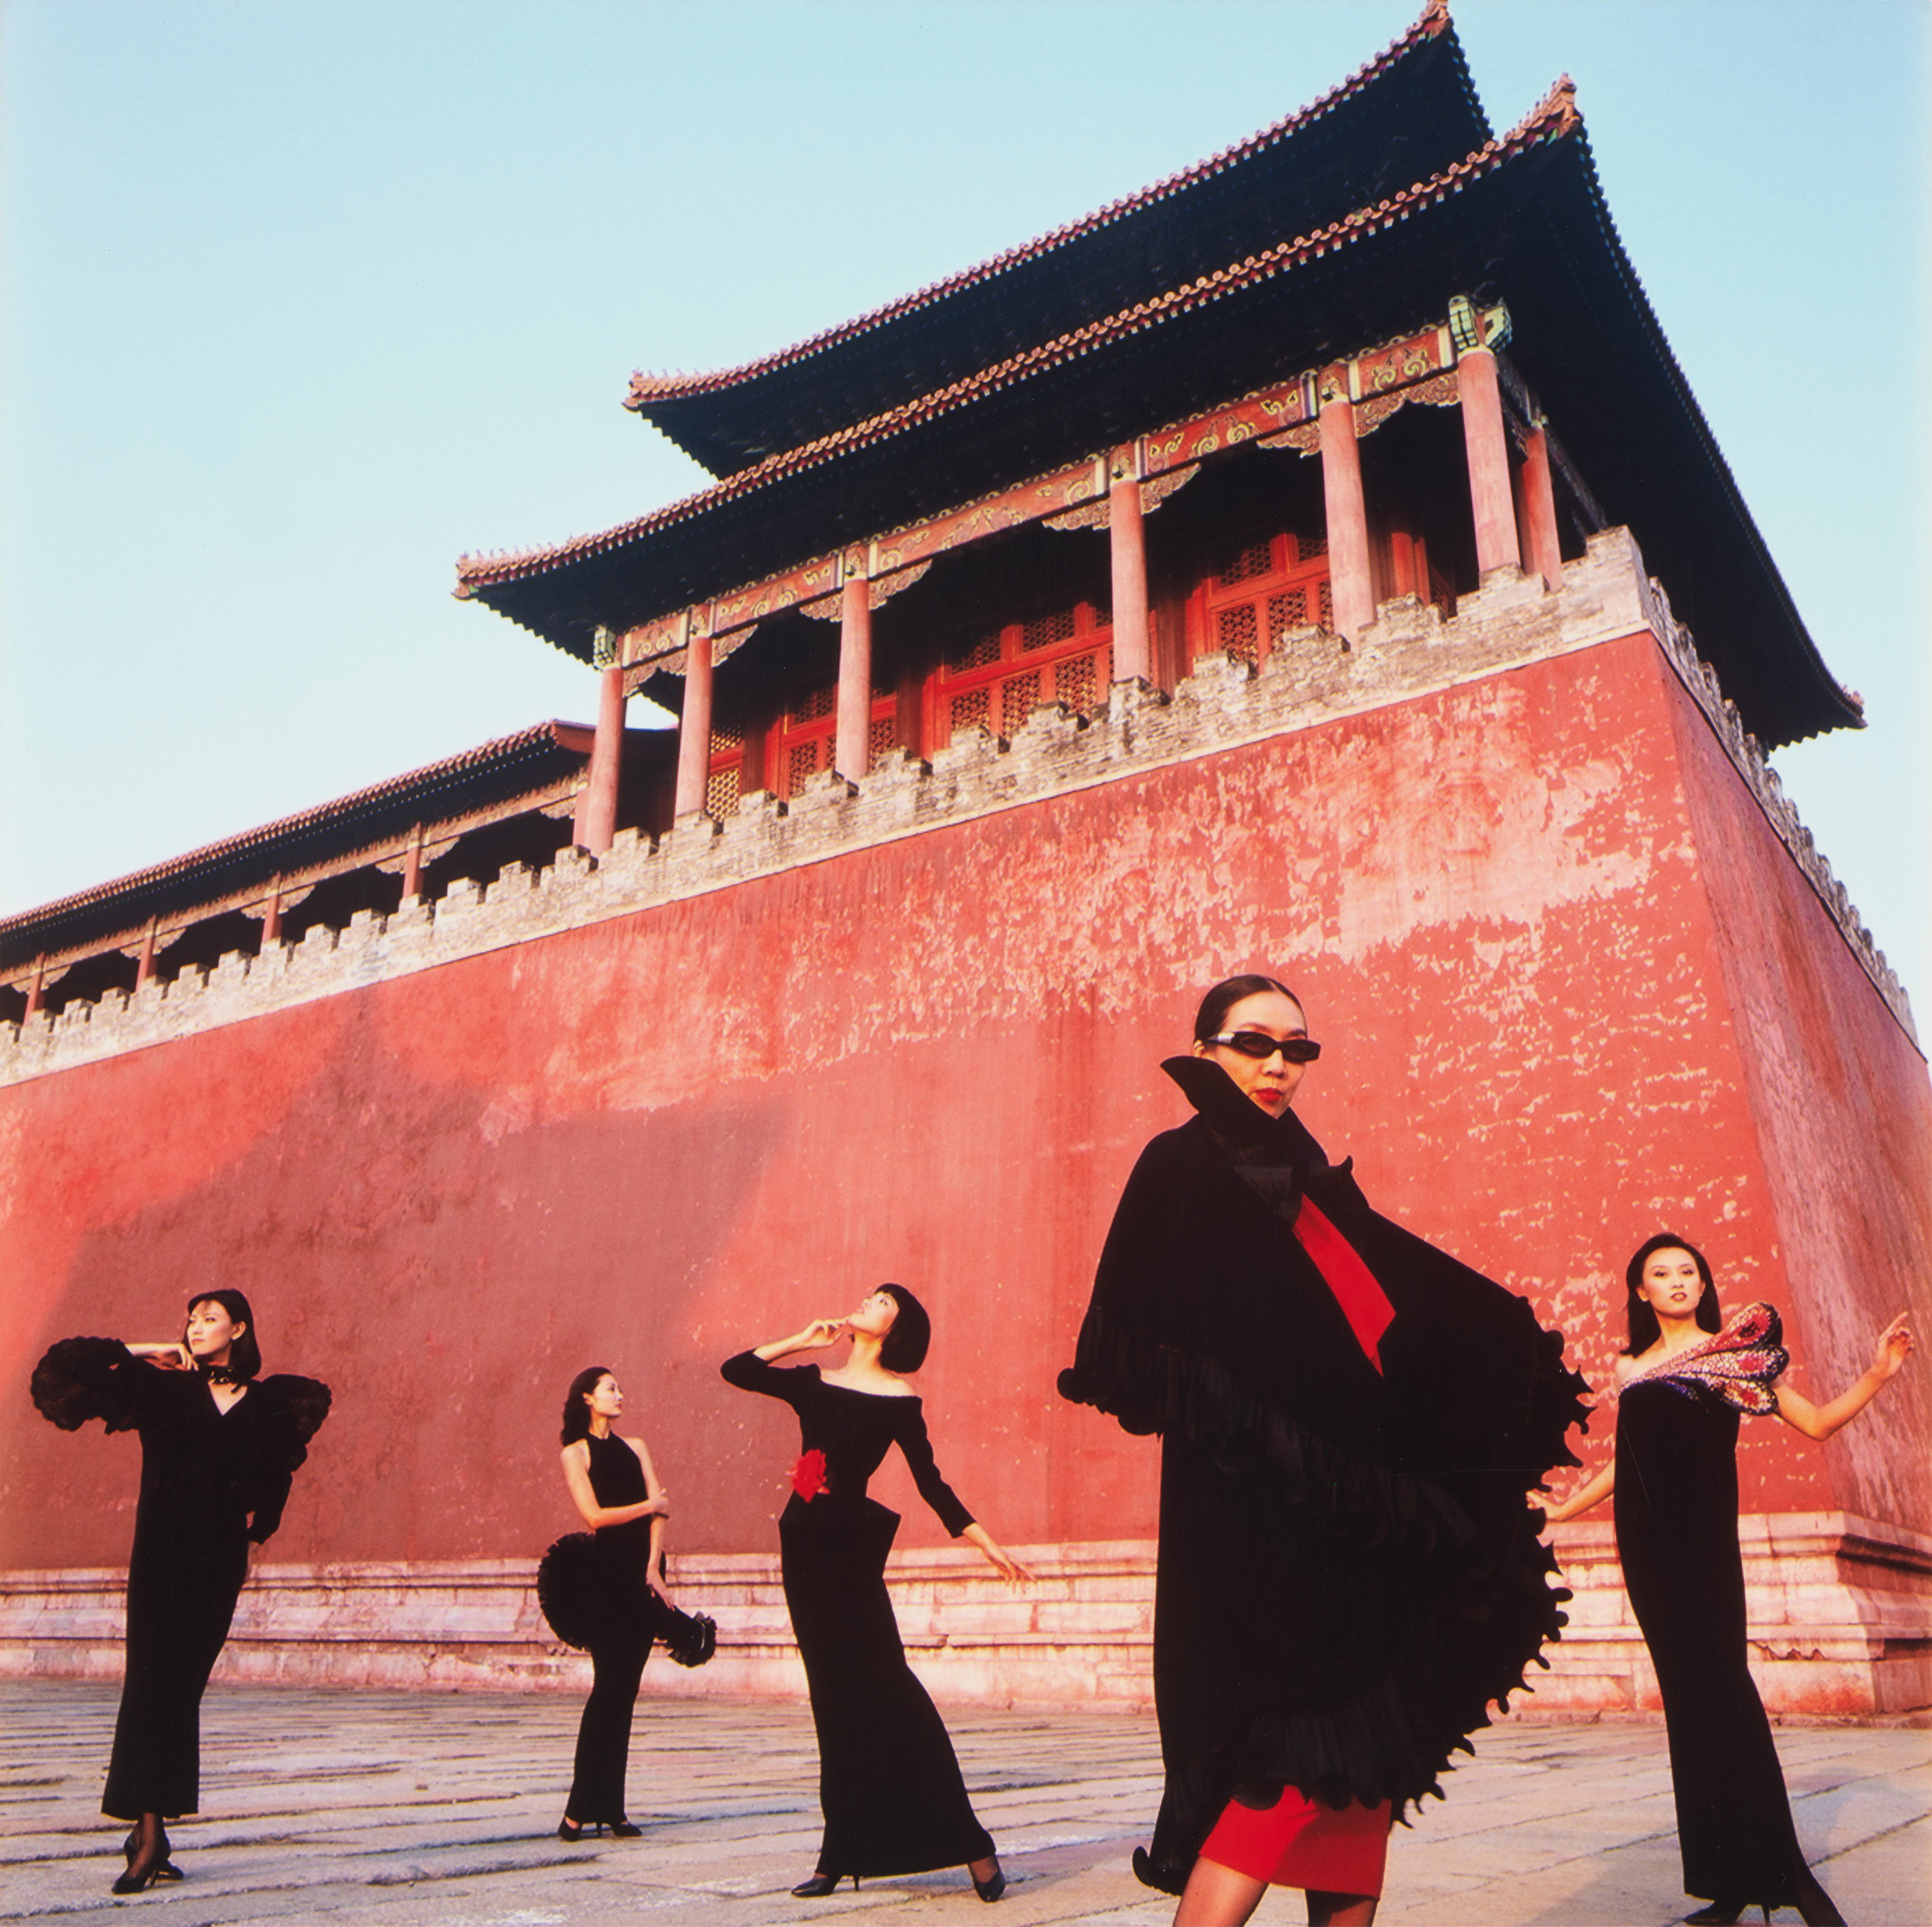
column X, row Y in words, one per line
column 1524, row 913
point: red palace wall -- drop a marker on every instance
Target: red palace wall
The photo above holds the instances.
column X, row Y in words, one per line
column 1570, row 987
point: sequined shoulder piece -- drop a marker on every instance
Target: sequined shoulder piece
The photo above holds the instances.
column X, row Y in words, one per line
column 1741, row 1364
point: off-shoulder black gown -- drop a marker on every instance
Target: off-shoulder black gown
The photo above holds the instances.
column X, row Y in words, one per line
column 889, row 1781
column 211, row 1482
column 1676, row 1502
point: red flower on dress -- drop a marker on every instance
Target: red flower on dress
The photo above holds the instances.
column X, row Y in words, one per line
column 808, row 1476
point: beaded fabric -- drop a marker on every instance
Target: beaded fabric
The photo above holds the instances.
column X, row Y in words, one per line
column 1740, row 1365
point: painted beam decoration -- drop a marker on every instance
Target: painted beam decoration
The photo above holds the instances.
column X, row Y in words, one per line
column 1379, row 381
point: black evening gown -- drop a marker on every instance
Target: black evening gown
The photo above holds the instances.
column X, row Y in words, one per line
column 1676, row 1502
column 1347, row 1573
column 211, row 1482
column 622, row 1625
column 888, row 1779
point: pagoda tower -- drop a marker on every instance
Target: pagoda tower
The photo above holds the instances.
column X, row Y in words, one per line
column 1315, row 563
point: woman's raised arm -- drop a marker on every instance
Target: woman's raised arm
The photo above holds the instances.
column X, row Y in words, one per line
column 1820, row 1422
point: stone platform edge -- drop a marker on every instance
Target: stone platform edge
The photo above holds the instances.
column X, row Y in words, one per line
column 1840, row 1625
column 1409, row 652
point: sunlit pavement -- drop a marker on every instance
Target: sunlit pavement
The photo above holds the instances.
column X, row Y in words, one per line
column 390, row 1807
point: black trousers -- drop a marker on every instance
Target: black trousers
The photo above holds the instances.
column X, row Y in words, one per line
column 604, row 1734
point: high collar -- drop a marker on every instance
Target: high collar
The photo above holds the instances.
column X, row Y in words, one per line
column 1236, row 1119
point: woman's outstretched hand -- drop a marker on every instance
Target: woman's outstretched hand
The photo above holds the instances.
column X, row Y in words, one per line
column 1895, row 1347
column 1002, row 1562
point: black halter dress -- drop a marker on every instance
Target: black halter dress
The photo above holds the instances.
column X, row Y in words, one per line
column 889, row 1781
column 211, row 1482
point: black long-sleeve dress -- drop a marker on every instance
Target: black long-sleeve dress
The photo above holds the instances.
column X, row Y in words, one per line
column 622, row 1624
column 1347, row 1573
column 211, row 1482
column 889, row 1781
column 1676, row 1501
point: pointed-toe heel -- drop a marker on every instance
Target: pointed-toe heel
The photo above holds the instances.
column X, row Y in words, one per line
column 1719, row 1913
column 568, row 1830
column 623, row 1830
column 820, row 1885
column 993, row 1885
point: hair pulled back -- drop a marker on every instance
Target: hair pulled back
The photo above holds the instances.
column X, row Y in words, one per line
column 904, row 1348
column 1644, row 1330
column 1210, row 1018
column 576, row 1413
column 244, row 1355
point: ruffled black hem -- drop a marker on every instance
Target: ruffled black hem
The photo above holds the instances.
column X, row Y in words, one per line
column 1478, row 1607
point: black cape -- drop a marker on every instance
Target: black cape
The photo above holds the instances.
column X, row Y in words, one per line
column 1349, row 1572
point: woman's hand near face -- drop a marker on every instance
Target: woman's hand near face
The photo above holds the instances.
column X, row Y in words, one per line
column 1895, row 1347
column 172, row 1356
column 816, row 1336
column 1002, row 1562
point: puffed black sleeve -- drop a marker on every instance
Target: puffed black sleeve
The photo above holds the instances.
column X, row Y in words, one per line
column 750, row 1373
column 290, row 1415
column 81, row 1379
column 917, row 1447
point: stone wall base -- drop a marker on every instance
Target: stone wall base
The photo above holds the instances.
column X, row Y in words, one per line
column 1841, row 1625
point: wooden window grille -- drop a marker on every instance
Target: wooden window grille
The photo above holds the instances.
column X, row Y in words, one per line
column 1259, row 592
column 816, row 706
column 996, row 684
column 803, row 761
column 884, row 737
column 721, row 791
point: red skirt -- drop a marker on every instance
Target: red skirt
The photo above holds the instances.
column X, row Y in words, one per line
column 1298, row 1842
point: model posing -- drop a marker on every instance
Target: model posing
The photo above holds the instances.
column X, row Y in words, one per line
column 219, row 1445
column 889, row 1782
column 1682, row 1384
column 616, row 1488
column 1347, row 1575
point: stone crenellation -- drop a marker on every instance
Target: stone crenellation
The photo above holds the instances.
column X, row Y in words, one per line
column 1313, row 678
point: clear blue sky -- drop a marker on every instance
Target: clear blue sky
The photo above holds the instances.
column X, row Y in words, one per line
column 302, row 299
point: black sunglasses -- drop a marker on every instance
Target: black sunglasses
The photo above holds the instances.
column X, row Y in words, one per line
column 1257, row 1044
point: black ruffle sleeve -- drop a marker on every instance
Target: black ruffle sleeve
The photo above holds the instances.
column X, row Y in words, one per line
column 287, row 1414
column 80, row 1379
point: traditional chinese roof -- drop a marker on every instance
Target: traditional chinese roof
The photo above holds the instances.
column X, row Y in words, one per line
column 546, row 757
column 1411, row 112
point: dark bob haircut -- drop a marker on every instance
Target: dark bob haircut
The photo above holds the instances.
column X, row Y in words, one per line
column 244, row 1355
column 905, row 1346
column 1644, row 1330
column 1215, row 1006
column 576, row 1413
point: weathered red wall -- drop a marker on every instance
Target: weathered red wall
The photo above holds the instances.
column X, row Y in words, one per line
column 1521, row 912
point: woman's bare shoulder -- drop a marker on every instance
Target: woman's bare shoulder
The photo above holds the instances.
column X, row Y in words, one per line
column 1626, row 1368
column 577, row 1451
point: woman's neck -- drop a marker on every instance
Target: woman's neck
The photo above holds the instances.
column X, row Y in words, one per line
column 600, row 1426
column 1678, row 1334
column 863, row 1361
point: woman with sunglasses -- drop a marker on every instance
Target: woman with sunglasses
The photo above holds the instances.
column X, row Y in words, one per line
column 1349, row 1573
column 889, row 1781
column 220, row 1447
column 1683, row 1382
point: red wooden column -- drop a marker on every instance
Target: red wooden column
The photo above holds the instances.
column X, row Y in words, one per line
column 144, row 967
column 1133, row 654
column 1539, row 511
column 597, row 812
column 271, row 918
column 694, row 731
column 1488, row 446
column 852, row 747
column 1350, row 585
column 39, row 984
column 412, row 864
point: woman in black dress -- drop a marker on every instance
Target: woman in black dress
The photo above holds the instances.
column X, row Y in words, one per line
column 1348, row 1574
column 1683, row 1383
column 889, row 1781
column 615, row 1487
column 219, row 1445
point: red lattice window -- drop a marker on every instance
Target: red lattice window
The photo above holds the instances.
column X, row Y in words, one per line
column 805, row 739
column 724, row 780
column 998, row 681
column 1262, row 591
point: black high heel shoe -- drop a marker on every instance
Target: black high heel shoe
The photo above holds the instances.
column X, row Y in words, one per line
column 1721, row 1913
column 993, row 1885
column 820, row 1885
column 623, row 1830
column 569, row 1829
column 1814, row 1905
column 166, row 1870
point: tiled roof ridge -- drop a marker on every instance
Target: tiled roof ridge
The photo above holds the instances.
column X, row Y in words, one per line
column 432, row 775
column 1556, row 118
column 645, row 389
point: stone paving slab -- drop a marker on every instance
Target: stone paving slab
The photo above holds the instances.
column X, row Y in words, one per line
column 408, row 1810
